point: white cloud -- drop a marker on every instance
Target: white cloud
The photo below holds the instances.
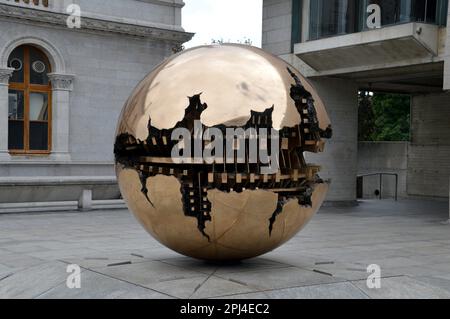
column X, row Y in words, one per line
column 230, row 20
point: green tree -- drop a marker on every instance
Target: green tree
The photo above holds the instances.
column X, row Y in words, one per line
column 384, row 117
column 365, row 117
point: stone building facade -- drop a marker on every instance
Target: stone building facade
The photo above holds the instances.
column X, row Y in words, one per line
column 62, row 87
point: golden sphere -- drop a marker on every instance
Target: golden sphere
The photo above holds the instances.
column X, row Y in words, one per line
column 223, row 209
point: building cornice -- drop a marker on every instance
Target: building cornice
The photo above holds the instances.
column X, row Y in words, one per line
column 93, row 24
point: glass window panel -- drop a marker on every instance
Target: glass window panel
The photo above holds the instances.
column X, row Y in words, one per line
column 15, row 105
column 39, row 67
column 402, row 11
column 38, row 136
column 418, row 10
column 390, row 11
column 336, row 17
column 15, row 135
column 333, row 17
column 432, row 14
column 16, row 61
column 38, row 106
column 441, row 12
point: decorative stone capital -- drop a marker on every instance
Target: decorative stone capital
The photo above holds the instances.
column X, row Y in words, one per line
column 61, row 82
column 5, row 74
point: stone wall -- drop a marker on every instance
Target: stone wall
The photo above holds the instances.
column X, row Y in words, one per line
column 383, row 157
column 277, row 25
column 429, row 154
column 423, row 164
column 339, row 161
column 104, row 67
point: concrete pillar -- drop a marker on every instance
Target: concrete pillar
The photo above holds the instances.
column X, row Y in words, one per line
column 340, row 160
column 448, row 221
column 306, row 4
column 277, row 26
column 429, row 151
column 85, row 201
column 447, row 55
column 4, row 81
column 62, row 85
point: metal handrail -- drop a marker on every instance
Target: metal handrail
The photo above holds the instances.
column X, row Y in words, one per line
column 381, row 182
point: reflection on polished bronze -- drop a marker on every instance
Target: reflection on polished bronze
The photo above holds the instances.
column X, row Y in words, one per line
column 225, row 209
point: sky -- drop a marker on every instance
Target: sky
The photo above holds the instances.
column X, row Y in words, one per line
column 230, row 20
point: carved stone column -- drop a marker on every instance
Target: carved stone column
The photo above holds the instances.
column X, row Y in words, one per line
column 5, row 74
column 62, row 85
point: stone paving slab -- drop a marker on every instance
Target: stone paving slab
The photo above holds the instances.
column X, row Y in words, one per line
column 218, row 287
column 279, row 278
column 34, row 281
column 97, row 286
column 209, row 268
column 148, row 274
column 184, row 288
column 103, row 260
column 404, row 287
column 329, row 259
column 5, row 271
column 443, row 268
column 442, row 282
column 17, row 261
column 249, row 296
column 340, row 290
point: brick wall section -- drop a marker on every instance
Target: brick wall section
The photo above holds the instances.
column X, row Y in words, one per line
column 429, row 154
column 277, row 26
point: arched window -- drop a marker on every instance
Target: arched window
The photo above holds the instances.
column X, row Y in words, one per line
column 30, row 96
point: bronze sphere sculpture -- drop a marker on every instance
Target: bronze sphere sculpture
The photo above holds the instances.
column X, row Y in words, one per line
column 230, row 207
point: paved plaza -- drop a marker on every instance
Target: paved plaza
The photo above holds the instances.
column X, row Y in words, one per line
column 329, row 259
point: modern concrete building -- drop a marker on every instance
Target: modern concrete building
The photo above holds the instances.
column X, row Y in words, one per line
column 62, row 86
column 343, row 46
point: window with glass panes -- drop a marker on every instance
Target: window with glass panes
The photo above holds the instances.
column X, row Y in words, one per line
column 29, row 100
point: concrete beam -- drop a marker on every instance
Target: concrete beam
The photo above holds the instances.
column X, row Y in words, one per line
column 401, row 88
column 375, row 48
